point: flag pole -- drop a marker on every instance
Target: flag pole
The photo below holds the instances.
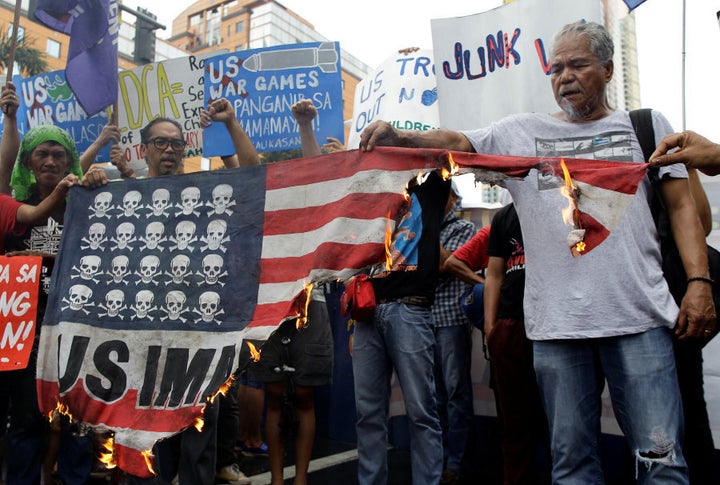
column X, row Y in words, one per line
column 13, row 42
column 682, row 84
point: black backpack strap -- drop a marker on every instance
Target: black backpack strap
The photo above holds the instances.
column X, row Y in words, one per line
column 642, row 123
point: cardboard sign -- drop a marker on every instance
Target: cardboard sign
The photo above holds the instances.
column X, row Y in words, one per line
column 496, row 63
column 401, row 91
column 169, row 89
column 19, row 288
column 46, row 99
column 263, row 84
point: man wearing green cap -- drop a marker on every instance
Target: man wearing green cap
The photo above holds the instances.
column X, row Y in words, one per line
column 47, row 157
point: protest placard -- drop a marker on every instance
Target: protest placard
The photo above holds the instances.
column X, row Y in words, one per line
column 46, row 99
column 171, row 89
column 496, row 63
column 263, row 84
column 401, row 91
column 19, row 287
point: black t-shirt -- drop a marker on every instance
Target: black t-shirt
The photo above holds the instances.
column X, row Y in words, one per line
column 41, row 237
column 420, row 279
column 506, row 242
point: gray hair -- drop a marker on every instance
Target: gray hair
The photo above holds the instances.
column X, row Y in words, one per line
column 599, row 40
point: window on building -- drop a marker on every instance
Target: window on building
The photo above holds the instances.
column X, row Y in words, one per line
column 228, row 6
column 239, row 26
column 196, row 19
column 21, row 32
column 52, row 48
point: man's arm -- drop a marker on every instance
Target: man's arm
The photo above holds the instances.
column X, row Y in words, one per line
column 697, row 311
column 459, row 269
column 231, row 161
column 701, row 201
column 10, row 142
column 221, row 110
column 109, row 134
column 37, row 214
column 694, row 150
column 333, row 145
column 382, row 133
column 304, row 112
column 494, row 277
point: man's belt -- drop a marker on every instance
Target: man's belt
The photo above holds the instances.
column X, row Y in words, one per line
column 423, row 301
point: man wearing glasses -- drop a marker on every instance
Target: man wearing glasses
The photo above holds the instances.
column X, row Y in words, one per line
column 192, row 454
column 163, row 144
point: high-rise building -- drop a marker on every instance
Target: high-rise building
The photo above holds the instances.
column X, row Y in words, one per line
column 252, row 24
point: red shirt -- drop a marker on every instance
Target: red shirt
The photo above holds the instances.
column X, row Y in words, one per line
column 8, row 218
column 474, row 252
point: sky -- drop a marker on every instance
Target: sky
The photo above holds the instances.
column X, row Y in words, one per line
column 372, row 30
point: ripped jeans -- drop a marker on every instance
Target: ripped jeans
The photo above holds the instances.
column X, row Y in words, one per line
column 641, row 377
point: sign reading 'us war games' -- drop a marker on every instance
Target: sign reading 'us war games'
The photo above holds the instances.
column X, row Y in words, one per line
column 263, row 84
column 46, row 99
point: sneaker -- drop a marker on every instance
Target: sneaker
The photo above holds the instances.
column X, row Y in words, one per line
column 232, row 475
column 258, row 451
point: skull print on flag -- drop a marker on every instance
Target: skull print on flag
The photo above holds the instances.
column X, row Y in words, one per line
column 174, row 256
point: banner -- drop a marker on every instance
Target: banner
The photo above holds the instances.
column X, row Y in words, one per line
column 263, row 84
column 46, row 99
column 19, row 288
column 496, row 63
column 171, row 89
column 401, row 91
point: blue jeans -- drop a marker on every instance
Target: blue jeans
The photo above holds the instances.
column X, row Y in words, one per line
column 453, row 346
column 399, row 336
column 641, row 377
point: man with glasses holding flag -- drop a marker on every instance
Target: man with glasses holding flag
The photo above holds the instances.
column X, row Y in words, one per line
column 191, row 454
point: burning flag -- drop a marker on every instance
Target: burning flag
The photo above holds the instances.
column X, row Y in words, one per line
column 92, row 66
column 157, row 296
column 601, row 190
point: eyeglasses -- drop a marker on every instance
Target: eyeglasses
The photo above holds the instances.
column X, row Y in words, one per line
column 161, row 143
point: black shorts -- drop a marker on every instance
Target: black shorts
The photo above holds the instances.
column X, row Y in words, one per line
column 305, row 354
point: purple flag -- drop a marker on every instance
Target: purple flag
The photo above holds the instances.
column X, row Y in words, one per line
column 92, row 67
column 632, row 4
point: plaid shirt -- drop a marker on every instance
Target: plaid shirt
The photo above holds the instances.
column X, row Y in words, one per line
column 446, row 310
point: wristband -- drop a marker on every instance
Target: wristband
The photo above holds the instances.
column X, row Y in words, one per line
column 701, row 278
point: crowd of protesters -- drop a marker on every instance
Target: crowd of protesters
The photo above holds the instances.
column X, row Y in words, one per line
column 555, row 335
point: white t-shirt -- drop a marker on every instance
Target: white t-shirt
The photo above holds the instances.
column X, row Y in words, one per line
column 617, row 288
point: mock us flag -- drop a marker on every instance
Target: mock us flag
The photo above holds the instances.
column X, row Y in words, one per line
column 158, row 281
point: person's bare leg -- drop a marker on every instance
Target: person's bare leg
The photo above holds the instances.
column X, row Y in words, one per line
column 305, row 412
column 51, row 454
column 251, row 402
column 273, row 434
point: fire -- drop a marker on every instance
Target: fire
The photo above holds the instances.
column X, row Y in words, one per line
column 254, row 352
column 302, row 318
column 388, row 243
column 149, row 460
column 60, row 408
column 452, row 168
column 571, row 214
column 199, row 423
column 107, row 453
column 223, row 389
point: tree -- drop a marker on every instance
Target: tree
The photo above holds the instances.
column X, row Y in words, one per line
column 31, row 60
